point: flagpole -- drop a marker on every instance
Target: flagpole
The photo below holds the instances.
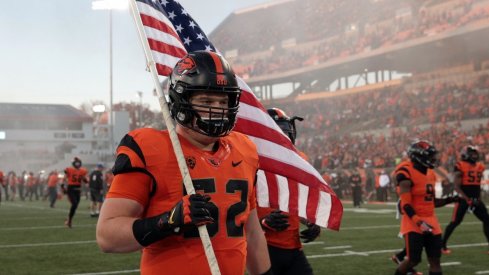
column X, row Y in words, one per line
column 187, row 180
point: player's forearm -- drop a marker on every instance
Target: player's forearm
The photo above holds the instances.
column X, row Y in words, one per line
column 257, row 259
column 115, row 235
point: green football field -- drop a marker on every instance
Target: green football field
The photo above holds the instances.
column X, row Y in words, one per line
column 34, row 240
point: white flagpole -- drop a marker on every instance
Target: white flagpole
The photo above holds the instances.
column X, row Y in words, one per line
column 204, row 235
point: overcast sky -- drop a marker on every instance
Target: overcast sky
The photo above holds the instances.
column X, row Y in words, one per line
column 57, row 51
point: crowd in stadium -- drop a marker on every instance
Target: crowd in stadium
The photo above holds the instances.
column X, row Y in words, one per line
column 319, row 43
column 329, row 124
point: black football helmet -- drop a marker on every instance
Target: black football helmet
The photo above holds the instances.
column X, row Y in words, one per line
column 470, row 154
column 424, row 153
column 286, row 123
column 77, row 163
column 203, row 71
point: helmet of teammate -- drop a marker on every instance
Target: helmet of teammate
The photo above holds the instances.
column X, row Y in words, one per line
column 424, row 153
column 77, row 163
column 286, row 123
column 203, row 71
column 470, row 154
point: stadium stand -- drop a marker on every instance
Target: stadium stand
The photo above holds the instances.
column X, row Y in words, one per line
column 402, row 70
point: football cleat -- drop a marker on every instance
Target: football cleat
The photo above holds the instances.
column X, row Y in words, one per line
column 446, row 251
column 395, row 259
column 68, row 223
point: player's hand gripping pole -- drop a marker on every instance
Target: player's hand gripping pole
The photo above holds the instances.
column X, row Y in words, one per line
column 204, row 235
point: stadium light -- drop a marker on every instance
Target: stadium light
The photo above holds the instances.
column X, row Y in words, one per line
column 110, row 5
column 99, row 108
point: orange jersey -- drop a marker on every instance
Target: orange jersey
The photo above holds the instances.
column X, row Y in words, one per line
column 31, row 180
column 75, row 176
column 422, row 197
column 1, row 177
column 471, row 177
column 146, row 171
column 287, row 239
column 53, row 180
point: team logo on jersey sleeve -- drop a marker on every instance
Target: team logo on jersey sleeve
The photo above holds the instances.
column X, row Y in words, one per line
column 190, row 162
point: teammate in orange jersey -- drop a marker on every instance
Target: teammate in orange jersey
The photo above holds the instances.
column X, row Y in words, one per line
column 52, row 187
column 146, row 206
column 2, row 183
column 419, row 224
column 467, row 180
column 282, row 229
column 75, row 176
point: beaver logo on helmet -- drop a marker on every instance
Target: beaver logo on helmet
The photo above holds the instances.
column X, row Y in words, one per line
column 185, row 65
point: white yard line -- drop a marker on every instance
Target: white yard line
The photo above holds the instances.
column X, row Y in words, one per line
column 450, row 263
column 43, row 227
column 109, row 272
column 367, row 253
column 313, row 243
column 336, row 247
column 482, row 272
column 45, row 244
column 44, row 208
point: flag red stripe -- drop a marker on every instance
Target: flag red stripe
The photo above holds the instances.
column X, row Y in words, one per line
column 154, row 23
column 312, row 204
column 166, row 48
column 336, row 213
column 163, row 70
column 272, row 189
column 259, row 130
column 293, row 197
column 248, row 98
column 290, row 171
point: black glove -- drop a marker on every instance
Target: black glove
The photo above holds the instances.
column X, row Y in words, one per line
column 311, row 233
column 452, row 199
column 193, row 209
column 275, row 221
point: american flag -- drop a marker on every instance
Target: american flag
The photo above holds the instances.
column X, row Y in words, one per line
column 285, row 181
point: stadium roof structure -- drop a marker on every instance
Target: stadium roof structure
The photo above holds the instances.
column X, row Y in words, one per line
column 40, row 112
column 461, row 45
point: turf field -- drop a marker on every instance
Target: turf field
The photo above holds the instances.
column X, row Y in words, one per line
column 33, row 240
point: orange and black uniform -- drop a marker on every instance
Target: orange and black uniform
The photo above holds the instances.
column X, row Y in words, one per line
column 423, row 203
column 2, row 184
column 74, row 177
column 285, row 247
column 471, row 186
column 147, row 172
column 52, row 188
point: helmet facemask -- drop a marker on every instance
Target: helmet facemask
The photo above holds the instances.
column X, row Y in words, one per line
column 208, row 120
column 286, row 123
column 424, row 153
column 470, row 154
column 76, row 163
